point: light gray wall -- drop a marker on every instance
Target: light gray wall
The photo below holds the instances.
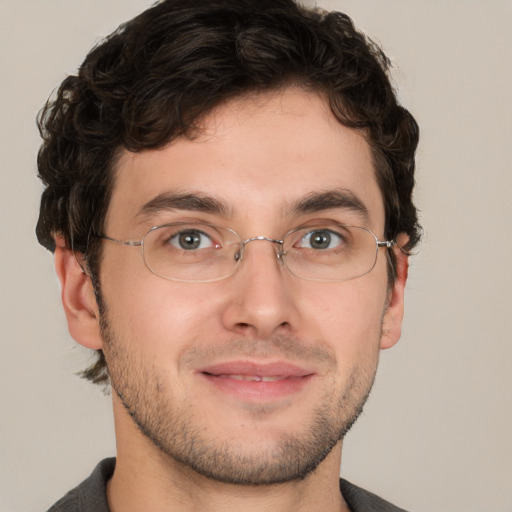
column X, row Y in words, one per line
column 436, row 434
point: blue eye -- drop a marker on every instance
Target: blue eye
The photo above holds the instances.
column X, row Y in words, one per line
column 191, row 239
column 321, row 239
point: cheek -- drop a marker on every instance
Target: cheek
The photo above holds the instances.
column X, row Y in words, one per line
column 151, row 314
column 350, row 318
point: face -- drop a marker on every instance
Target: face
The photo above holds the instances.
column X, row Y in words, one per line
column 256, row 377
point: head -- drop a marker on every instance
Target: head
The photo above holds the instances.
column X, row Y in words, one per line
column 163, row 79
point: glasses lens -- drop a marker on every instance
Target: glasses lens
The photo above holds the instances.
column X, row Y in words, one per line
column 330, row 252
column 191, row 252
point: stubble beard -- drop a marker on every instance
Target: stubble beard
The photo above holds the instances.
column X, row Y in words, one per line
column 177, row 434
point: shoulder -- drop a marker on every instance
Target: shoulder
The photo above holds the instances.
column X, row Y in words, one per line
column 360, row 500
column 90, row 495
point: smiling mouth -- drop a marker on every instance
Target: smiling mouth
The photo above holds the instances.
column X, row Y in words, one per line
column 256, row 381
column 251, row 378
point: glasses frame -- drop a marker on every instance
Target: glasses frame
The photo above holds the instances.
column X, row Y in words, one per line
column 239, row 255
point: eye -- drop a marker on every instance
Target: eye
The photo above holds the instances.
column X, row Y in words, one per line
column 191, row 239
column 321, row 239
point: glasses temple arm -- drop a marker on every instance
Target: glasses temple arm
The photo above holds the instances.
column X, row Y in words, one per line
column 132, row 243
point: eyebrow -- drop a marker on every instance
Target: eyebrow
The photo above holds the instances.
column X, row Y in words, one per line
column 188, row 201
column 330, row 200
column 192, row 201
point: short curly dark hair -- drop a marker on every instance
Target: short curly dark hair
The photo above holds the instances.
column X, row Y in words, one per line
column 156, row 76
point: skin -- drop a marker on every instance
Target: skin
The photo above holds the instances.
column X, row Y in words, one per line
column 258, row 155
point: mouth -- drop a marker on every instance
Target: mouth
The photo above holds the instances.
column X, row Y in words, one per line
column 253, row 378
column 257, row 381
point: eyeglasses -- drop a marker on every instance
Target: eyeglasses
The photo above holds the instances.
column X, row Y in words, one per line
column 196, row 252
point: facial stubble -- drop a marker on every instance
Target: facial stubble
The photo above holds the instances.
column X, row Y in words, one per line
column 176, row 432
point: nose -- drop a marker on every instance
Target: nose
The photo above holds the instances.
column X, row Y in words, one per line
column 261, row 301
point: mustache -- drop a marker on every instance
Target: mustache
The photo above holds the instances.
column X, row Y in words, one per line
column 277, row 347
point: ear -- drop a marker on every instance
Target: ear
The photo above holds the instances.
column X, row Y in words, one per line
column 78, row 297
column 394, row 314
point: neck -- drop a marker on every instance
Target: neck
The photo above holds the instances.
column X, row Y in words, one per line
column 147, row 479
column 162, row 486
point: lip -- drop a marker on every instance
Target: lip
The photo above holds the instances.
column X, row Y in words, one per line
column 254, row 381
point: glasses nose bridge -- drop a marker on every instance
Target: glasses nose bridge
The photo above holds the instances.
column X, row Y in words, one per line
column 264, row 239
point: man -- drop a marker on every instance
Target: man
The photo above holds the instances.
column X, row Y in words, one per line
column 228, row 196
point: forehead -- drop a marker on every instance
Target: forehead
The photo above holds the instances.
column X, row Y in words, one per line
column 257, row 157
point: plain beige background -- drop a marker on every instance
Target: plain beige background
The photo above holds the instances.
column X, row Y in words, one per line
column 436, row 434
